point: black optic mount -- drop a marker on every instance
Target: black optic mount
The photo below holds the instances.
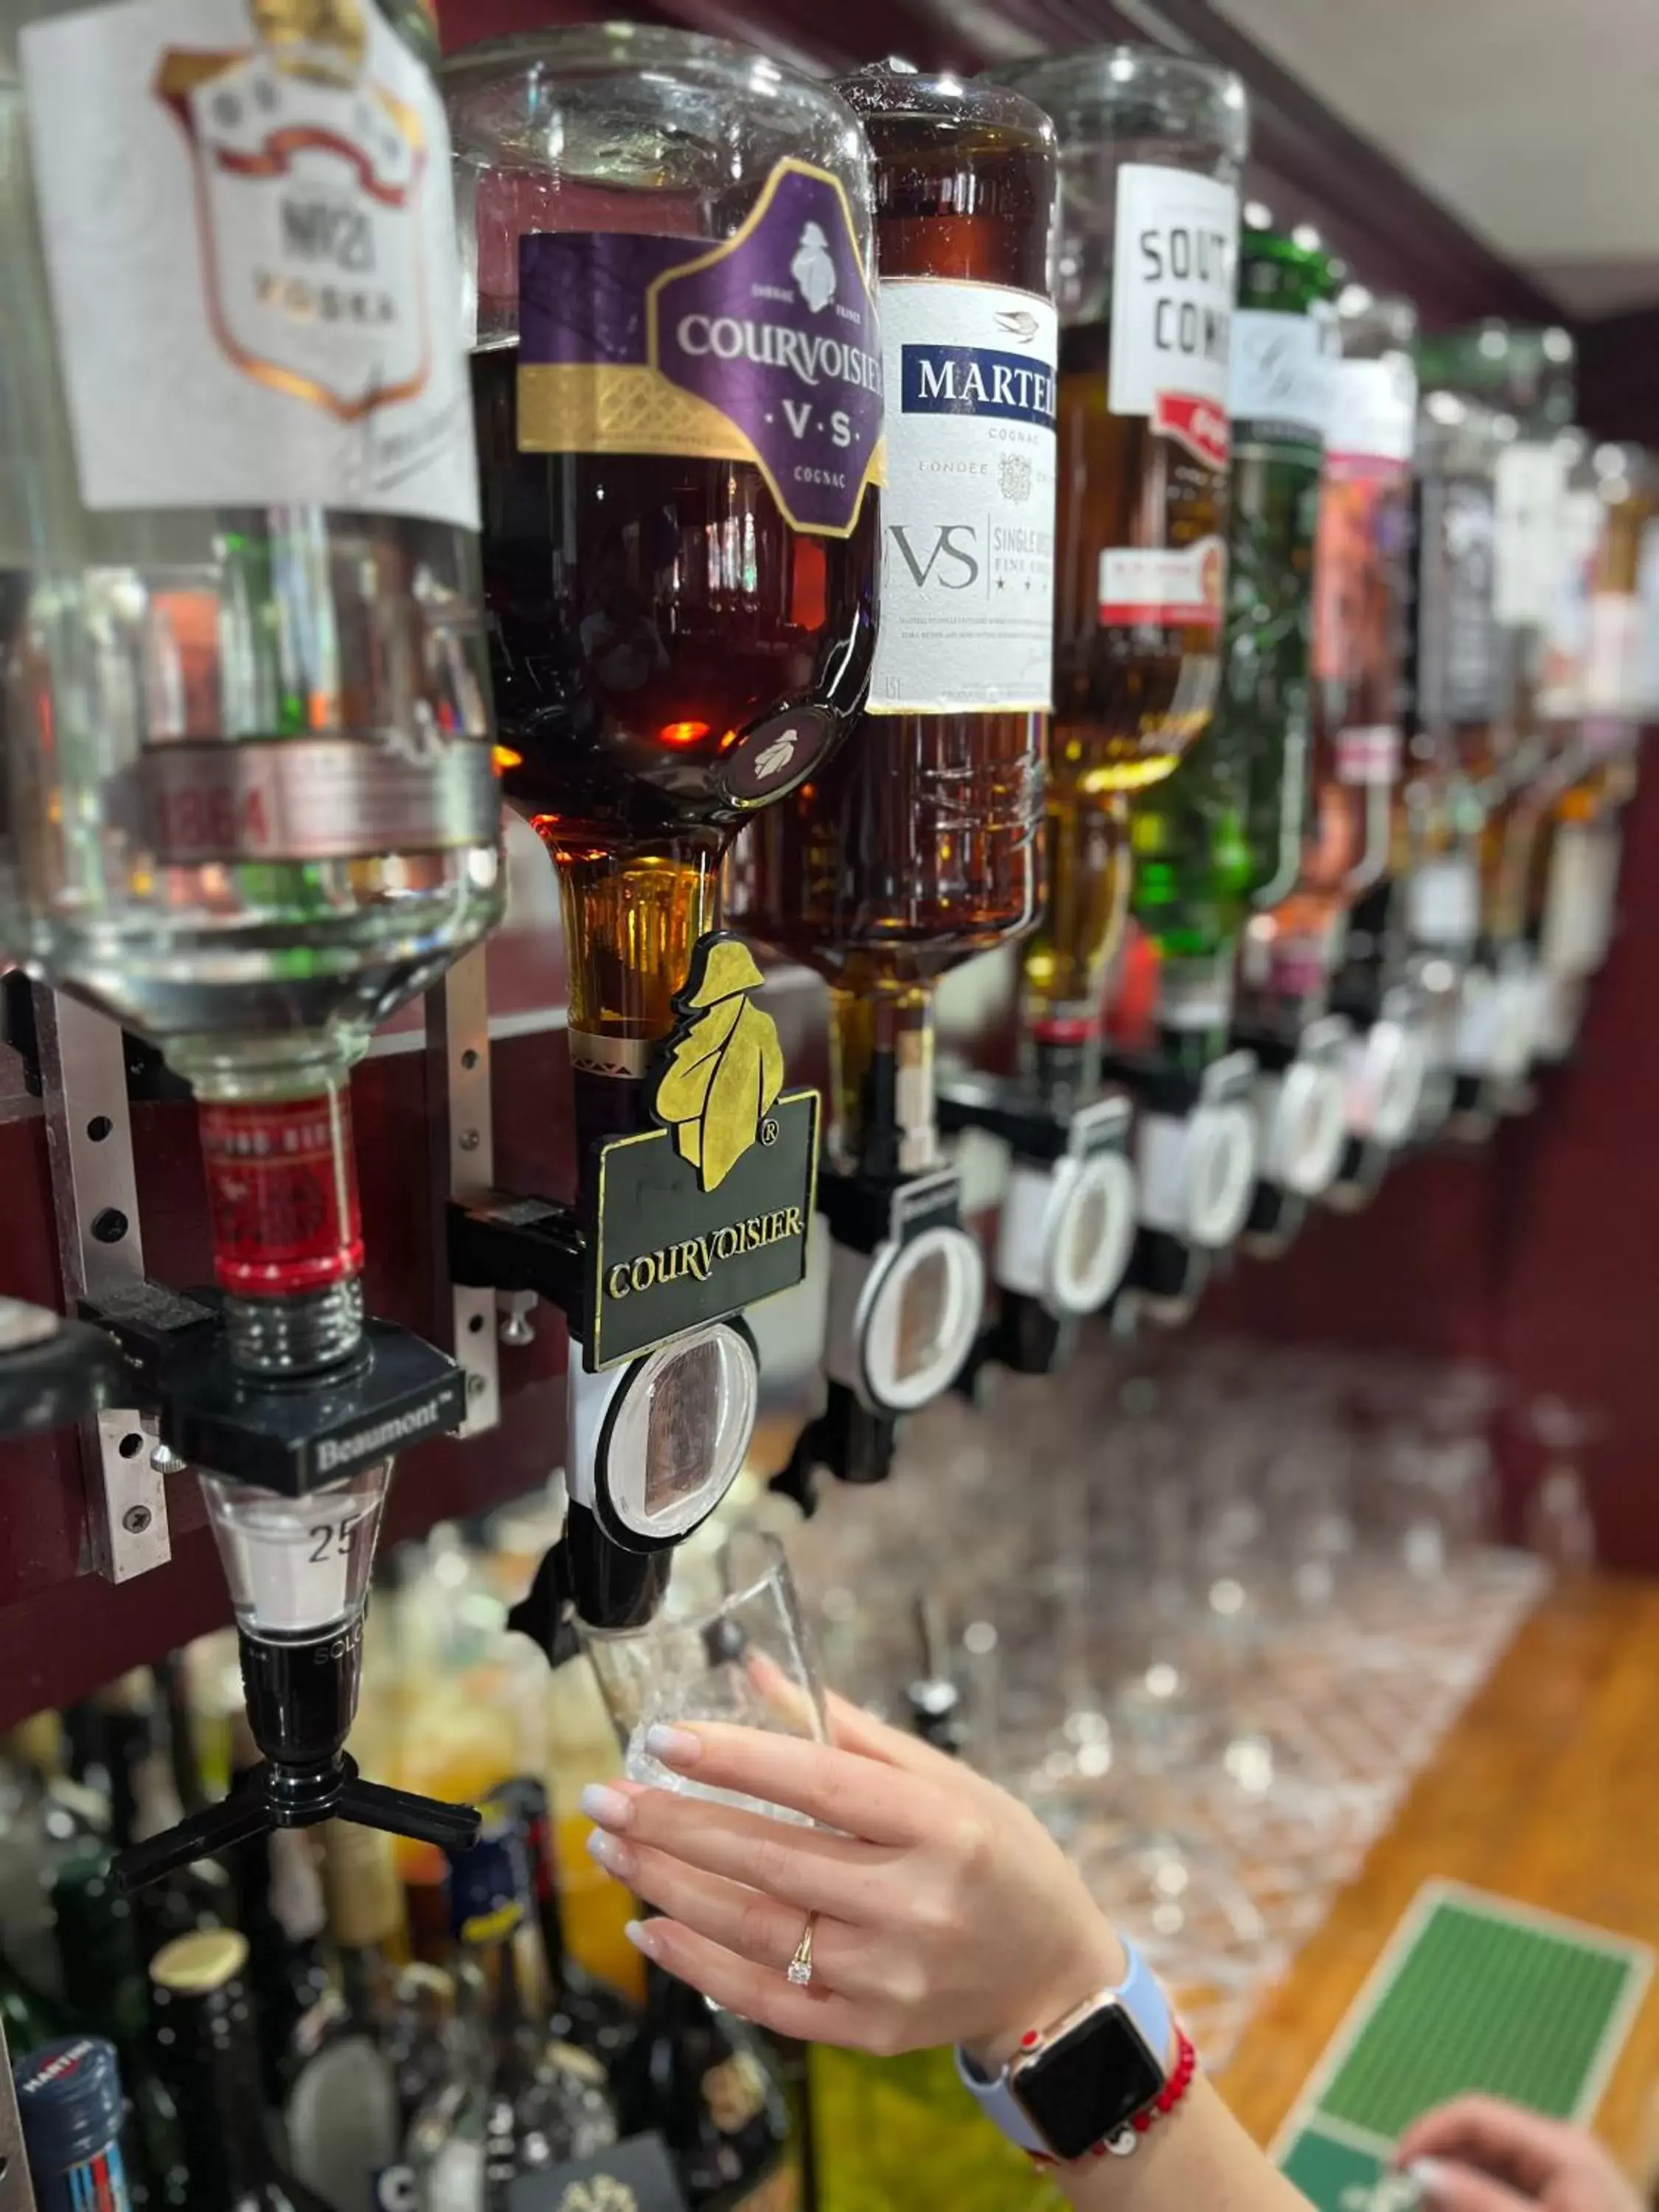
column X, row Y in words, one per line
column 865, row 1215
column 1028, row 1336
column 587, row 1574
column 847, row 1439
column 292, row 1438
column 290, row 1435
column 1168, row 1270
column 302, row 1698
column 522, row 1244
column 52, row 1372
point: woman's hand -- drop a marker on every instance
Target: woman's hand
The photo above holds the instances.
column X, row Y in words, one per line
column 944, row 1910
column 1480, row 2155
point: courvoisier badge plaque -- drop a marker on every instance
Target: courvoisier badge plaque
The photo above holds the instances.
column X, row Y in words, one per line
column 708, row 1212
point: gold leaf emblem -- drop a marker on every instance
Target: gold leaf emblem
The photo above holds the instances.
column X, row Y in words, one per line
column 603, row 2193
column 725, row 1070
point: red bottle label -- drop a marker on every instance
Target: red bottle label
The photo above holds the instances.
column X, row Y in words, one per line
column 281, row 1183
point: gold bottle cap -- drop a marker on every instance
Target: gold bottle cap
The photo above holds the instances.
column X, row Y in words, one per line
column 193, row 1965
column 360, row 1883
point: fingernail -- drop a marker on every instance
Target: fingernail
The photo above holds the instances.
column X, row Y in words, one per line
column 612, row 1854
column 606, row 1806
column 1429, row 2176
column 674, row 1746
column 642, row 1937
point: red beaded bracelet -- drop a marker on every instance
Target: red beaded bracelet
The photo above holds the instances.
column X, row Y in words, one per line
column 1127, row 2138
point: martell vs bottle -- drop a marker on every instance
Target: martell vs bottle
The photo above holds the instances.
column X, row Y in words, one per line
column 678, row 383
column 917, row 846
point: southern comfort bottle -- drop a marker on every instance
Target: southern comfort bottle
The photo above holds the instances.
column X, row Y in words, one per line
column 1151, row 145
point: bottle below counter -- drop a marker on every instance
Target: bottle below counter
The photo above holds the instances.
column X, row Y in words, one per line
column 697, row 2078
column 71, row 2105
column 207, row 2056
column 517, row 2102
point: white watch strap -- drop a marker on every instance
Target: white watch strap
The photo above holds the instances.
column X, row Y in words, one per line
column 1141, row 1995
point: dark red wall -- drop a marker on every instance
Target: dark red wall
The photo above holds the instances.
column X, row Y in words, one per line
column 1537, row 1254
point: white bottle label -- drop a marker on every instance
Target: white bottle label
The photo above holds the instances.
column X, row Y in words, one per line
column 1579, row 518
column 1281, row 375
column 968, row 516
column 1373, row 409
column 1531, row 480
column 1176, row 245
column 1161, row 584
column 1443, row 900
column 250, row 235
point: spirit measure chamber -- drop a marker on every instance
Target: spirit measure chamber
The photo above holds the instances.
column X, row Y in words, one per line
column 248, row 803
column 678, row 377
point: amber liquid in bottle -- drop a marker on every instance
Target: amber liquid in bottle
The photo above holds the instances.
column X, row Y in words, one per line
column 917, row 846
column 645, row 611
column 1128, row 698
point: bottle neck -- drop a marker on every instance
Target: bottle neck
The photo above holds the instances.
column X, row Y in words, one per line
column 210, row 2062
column 275, row 1121
column 631, row 922
column 507, row 1969
column 1067, row 958
column 881, row 1060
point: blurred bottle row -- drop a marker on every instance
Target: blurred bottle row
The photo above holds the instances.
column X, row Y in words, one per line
column 335, row 2018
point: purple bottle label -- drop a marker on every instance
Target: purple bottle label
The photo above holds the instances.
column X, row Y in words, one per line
column 763, row 348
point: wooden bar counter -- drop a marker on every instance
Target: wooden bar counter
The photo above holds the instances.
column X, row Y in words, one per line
column 1546, row 1791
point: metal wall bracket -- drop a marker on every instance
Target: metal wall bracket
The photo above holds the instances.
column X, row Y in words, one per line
column 464, row 1165
column 100, row 1254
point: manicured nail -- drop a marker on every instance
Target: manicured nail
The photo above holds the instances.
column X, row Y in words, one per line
column 674, row 1746
column 608, row 1806
column 642, row 1937
column 612, row 1854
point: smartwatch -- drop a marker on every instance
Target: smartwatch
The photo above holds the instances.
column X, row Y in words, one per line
column 1082, row 2081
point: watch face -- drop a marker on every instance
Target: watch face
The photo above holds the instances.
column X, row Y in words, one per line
column 1088, row 2082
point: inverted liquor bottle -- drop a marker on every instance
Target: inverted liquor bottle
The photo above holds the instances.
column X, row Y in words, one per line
column 1527, row 374
column 680, row 580
column 249, row 799
column 678, row 381
column 917, row 846
column 1152, row 146
column 1362, row 584
column 1224, row 834
column 1599, row 672
column 1462, row 749
column 260, row 812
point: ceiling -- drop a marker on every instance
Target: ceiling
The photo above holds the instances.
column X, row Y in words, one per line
column 1535, row 122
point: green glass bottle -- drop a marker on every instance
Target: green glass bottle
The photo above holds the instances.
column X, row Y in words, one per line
column 1224, row 834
